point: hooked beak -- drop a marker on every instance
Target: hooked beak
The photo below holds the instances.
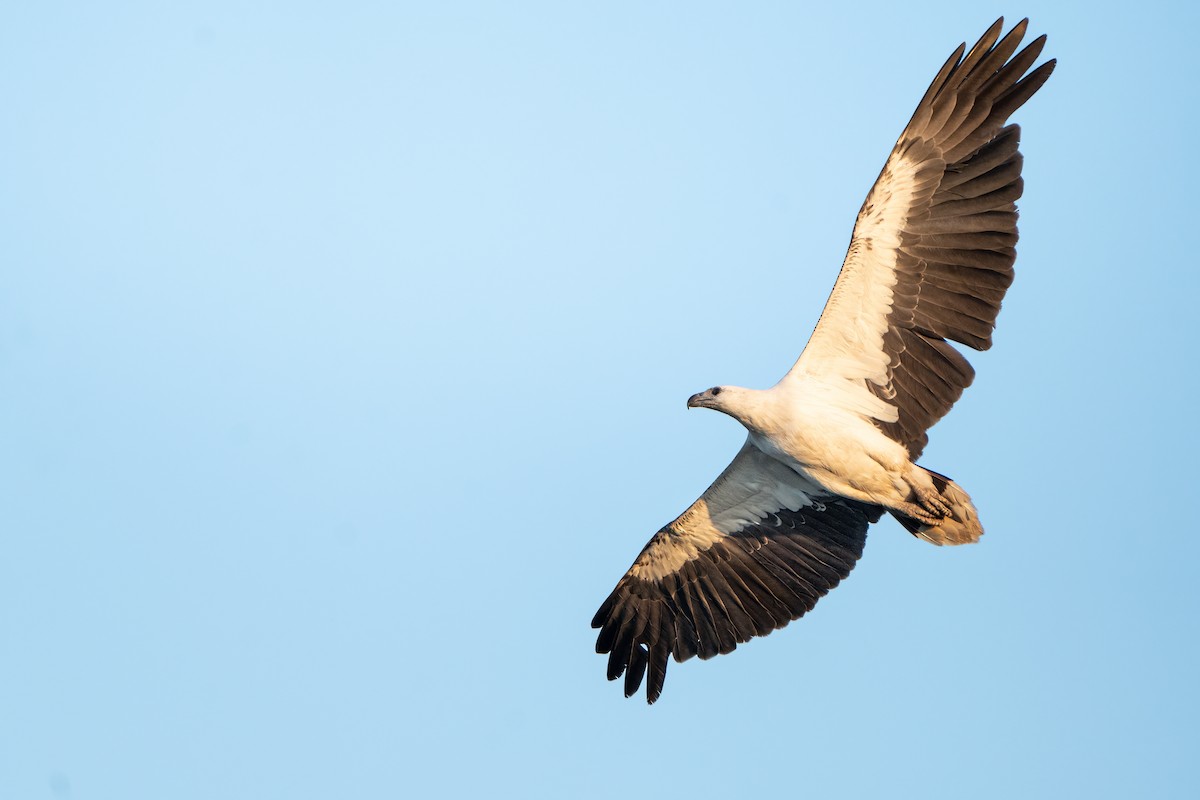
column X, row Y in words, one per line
column 698, row 400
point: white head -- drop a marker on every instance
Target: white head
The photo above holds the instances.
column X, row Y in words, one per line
column 744, row 405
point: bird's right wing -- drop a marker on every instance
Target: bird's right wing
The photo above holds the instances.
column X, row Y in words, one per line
column 755, row 552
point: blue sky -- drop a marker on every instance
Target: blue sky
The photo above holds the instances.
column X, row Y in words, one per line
column 344, row 353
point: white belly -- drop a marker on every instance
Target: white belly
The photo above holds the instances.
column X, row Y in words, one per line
column 843, row 452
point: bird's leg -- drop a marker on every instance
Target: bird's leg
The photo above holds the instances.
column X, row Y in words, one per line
column 923, row 501
column 919, row 513
column 932, row 502
column 929, row 509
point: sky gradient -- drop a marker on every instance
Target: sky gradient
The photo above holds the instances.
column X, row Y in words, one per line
column 344, row 353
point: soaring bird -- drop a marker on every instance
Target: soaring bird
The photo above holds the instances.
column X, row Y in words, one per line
column 834, row 444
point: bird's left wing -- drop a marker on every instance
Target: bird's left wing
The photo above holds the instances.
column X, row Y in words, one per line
column 755, row 552
column 933, row 247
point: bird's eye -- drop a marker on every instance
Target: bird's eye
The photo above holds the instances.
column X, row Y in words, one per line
column 716, row 390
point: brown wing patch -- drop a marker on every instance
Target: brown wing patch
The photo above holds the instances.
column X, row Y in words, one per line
column 746, row 584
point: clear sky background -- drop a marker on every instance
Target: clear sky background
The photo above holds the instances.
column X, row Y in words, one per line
column 343, row 358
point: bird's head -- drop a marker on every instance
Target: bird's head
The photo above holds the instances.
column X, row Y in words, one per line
column 715, row 398
column 744, row 405
column 719, row 398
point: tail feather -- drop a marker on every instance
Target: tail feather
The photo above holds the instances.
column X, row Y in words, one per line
column 960, row 527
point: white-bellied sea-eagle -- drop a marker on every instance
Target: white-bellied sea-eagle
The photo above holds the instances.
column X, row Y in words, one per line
column 833, row 445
